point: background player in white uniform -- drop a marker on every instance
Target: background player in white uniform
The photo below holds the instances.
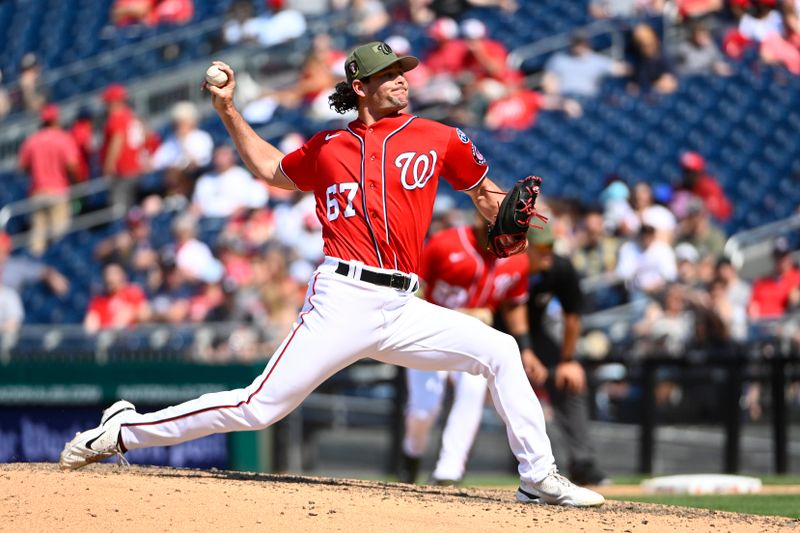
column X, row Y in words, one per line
column 375, row 184
column 458, row 272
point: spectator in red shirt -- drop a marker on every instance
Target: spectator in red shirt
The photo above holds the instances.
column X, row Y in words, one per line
column 519, row 107
column 50, row 157
column 82, row 131
column 446, row 57
column 151, row 12
column 128, row 12
column 123, row 154
column 774, row 295
column 485, row 57
column 122, row 304
column 690, row 9
column 705, row 186
column 173, row 11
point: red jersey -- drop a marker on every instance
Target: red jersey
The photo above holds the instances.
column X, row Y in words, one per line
column 172, row 12
column 516, row 111
column 124, row 121
column 144, row 5
column 458, row 274
column 713, row 197
column 82, row 132
column 375, row 186
column 498, row 54
column 125, row 302
column 770, row 295
column 46, row 154
column 447, row 58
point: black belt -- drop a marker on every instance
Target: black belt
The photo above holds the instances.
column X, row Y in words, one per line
column 396, row 280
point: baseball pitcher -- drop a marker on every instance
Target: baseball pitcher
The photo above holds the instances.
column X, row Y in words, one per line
column 374, row 183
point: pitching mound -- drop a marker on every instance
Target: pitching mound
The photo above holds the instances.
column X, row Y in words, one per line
column 39, row 497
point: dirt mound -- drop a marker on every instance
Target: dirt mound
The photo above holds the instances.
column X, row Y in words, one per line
column 39, row 497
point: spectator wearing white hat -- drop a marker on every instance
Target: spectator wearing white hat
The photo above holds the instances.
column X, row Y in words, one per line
column 653, row 214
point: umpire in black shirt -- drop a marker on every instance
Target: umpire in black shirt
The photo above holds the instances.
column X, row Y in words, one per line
column 553, row 280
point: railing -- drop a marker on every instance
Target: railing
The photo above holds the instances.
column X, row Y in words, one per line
column 188, row 342
column 561, row 41
column 151, row 95
column 766, row 363
column 18, row 126
column 80, row 222
column 748, row 249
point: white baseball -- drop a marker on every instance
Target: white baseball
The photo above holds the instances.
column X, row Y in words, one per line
column 215, row 76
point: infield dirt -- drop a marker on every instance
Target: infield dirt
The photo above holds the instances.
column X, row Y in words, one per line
column 107, row 498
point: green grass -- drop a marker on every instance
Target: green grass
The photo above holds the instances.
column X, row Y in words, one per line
column 764, row 504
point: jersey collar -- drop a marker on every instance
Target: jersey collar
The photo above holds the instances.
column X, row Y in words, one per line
column 385, row 125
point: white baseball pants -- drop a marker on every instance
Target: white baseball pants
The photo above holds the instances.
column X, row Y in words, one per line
column 425, row 395
column 344, row 320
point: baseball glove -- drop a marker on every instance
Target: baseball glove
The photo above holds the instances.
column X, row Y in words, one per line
column 508, row 234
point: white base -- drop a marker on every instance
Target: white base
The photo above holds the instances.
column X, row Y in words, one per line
column 702, row 484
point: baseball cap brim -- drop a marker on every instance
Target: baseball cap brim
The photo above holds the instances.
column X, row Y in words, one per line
column 406, row 63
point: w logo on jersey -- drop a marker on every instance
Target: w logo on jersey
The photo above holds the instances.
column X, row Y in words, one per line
column 417, row 169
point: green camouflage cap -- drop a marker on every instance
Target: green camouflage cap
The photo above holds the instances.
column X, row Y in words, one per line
column 373, row 57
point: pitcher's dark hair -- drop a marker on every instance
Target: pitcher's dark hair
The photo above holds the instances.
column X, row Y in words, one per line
column 344, row 97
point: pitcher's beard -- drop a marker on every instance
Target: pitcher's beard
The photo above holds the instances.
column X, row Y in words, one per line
column 399, row 103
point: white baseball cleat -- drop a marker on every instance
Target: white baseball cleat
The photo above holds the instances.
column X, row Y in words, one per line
column 98, row 443
column 555, row 489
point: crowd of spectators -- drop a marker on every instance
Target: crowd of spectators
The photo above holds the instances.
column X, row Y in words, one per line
column 464, row 76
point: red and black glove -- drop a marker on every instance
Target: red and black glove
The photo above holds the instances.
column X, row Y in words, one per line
column 509, row 233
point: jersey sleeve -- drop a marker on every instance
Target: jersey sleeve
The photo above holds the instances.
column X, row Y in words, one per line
column 464, row 165
column 300, row 166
